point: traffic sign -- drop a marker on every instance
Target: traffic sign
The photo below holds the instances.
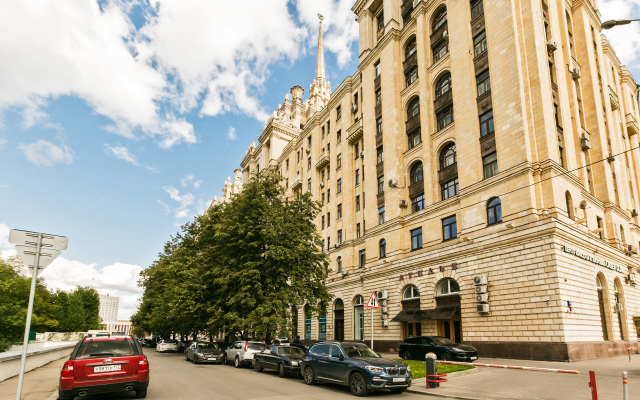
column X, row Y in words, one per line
column 17, row 236
column 373, row 301
column 28, row 256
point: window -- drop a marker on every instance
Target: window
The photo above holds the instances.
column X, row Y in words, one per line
column 411, row 48
column 600, row 227
column 339, row 264
column 340, row 211
column 440, row 19
column 490, row 165
column 339, row 186
column 380, row 20
column 323, row 132
column 362, row 257
column 357, row 177
column 486, row 123
column 416, row 239
column 414, row 138
column 363, row 200
column 484, row 82
column 440, row 50
column 417, row 203
column 322, row 175
column 328, row 195
column 444, row 85
column 378, row 97
column 338, row 112
column 411, row 76
column 415, row 175
column 328, row 219
column 410, row 292
column 414, row 108
column 357, row 203
column 323, row 222
column 376, row 69
column 383, row 248
column 356, row 150
column 328, row 127
column 339, row 237
column 379, row 157
column 379, row 126
column 287, row 164
column 476, row 8
column 339, row 161
column 309, row 141
column 448, row 286
column 339, row 136
column 444, row 117
column 328, row 241
column 622, row 238
column 309, row 163
column 449, row 189
column 309, row 184
column 358, row 230
column 448, row 156
column 449, row 228
column 569, row 203
column 480, row 44
column 494, row 211
column 358, row 318
column 380, row 184
column 381, row 215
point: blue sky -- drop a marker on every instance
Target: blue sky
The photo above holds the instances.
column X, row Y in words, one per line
column 120, row 120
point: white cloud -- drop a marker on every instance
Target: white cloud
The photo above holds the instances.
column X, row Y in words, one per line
column 4, row 239
column 122, row 153
column 184, row 202
column 231, row 134
column 44, row 154
column 625, row 39
column 196, row 185
column 2, row 143
column 186, row 180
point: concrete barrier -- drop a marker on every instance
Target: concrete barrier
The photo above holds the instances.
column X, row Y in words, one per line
column 37, row 356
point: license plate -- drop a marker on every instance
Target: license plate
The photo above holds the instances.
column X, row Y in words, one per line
column 107, row 368
column 399, row 379
column 212, row 359
column 474, row 358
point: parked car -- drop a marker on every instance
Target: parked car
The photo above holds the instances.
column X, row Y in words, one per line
column 105, row 365
column 203, row 352
column 149, row 343
column 167, row 345
column 354, row 365
column 242, row 352
column 283, row 358
column 416, row 348
column 280, row 342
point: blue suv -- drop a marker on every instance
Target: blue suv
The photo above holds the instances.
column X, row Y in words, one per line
column 354, row 365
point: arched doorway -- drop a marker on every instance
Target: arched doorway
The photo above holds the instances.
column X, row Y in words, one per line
column 338, row 321
column 448, row 295
column 619, row 308
column 294, row 322
column 358, row 318
column 603, row 316
column 411, row 302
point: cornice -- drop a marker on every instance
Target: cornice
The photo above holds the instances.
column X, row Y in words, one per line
column 393, row 34
column 587, row 6
column 358, row 7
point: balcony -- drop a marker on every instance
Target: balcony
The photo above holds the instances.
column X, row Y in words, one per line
column 632, row 125
column 613, row 97
column 405, row 10
column 354, row 132
column 297, row 183
column 412, row 123
column 448, row 173
column 440, row 34
column 410, row 62
column 322, row 160
column 442, row 101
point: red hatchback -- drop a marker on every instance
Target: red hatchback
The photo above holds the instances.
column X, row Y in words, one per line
column 104, row 365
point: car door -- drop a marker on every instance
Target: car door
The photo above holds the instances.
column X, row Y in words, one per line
column 233, row 351
column 321, row 361
column 190, row 352
column 429, row 346
column 337, row 366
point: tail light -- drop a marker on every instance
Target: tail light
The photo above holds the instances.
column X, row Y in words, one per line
column 143, row 363
column 246, row 345
column 67, row 369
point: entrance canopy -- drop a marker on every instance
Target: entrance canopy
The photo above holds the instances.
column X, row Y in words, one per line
column 444, row 312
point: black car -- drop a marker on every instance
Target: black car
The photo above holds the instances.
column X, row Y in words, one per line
column 149, row 343
column 284, row 359
column 354, row 365
column 201, row 351
column 415, row 348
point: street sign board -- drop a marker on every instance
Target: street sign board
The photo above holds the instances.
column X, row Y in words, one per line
column 28, row 255
column 17, row 236
column 373, row 301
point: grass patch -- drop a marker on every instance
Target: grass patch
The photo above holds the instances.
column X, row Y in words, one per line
column 419, row 368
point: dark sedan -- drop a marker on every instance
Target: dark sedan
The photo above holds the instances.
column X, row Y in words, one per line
column 416, row 348
column 354, row 365
column 284, row 359
column 204, row 352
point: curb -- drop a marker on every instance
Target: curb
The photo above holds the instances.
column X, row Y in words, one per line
column 53, row 396
column 442, row 395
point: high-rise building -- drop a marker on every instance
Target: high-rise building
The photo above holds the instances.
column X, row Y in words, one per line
column 480, row 170
column 108, row 308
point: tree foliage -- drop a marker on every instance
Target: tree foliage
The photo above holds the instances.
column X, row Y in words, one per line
column 240, row 267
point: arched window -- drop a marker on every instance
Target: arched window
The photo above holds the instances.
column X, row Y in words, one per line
column 622, row 238
column 415, row 175
column 439, row 20
column 494, row 211
column 322, row 323
column 569, row 202
column 410, row 292
column 307, row 322
column 414, row 108
column 358, row 318
column 339, row 264
column 448, row 156
column 601, row 304
column 619, row 306
column 444, row 85
column 448, row 286
column 338, row 320
column 411, row 48
column 383, row 248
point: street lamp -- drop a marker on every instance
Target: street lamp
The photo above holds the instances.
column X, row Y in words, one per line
column 615, row 22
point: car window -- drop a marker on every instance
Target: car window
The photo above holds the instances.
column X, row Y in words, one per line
column 320, row 350
column 106, row 348
column 428, row 341
column 360, row 351
column 272, row 349
column 334, row 351
column 238, row 345
column 285, row 350
column 208, row 346
column 170, row 341
column 256, row 346
column 444, row 341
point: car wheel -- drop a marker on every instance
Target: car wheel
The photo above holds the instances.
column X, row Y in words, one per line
column 404, row 355
column 398, row 390
column 195, row 358
column 309, row 376
column 446, row 357
column 223, row 359
column 141, row 394
column 358, row 385
column 281, row 372
column 257, row 366
column 236, row 363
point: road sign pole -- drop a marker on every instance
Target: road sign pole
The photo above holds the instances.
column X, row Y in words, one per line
column 372, row 329
column 27, row 328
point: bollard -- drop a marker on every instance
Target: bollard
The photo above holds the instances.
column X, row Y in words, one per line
column 592, row 385
column 629, row 351
column 625, row 391
column 432, row 369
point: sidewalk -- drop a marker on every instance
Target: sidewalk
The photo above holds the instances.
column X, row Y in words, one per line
column 505, row 384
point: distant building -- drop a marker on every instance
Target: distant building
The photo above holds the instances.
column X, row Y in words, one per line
column 230, row 188
column 119, row 327
column 109, row 308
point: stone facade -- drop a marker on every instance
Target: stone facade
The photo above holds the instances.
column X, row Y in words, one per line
column 472, row 143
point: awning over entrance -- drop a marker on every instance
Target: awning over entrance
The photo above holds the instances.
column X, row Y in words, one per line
column 444, row 312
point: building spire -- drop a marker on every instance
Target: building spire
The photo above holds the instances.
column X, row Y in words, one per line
column 320, row 56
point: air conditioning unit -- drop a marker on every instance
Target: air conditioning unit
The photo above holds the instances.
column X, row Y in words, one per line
column 445, row 34
column 393, row 183
column 354, row 109
column 575, row 73
column 308, row 150
column 482, row 298
column 362, row 154
column 482, row 308
column 415, row 3
column 480, row 280
column 385, row 322
column 634, row 213
column 481, row 289
column 584, row 142
column 382, row 295
column 552, row 45
column 403, row 203
column 321, row 184
column 631, row 278
column 618, row 307
column 385, row 310
column 335, row 246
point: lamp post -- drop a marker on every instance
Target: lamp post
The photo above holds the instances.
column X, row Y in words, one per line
column 615, row 22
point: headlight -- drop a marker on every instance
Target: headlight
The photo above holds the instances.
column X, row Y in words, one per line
column 294, row 363
column 374, row 369
column 200, row 355
column 408, row 368
column 457, row 350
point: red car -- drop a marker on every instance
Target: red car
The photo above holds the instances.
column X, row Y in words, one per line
column 105, row 365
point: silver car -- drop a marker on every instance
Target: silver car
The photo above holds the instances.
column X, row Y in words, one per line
column 241, row 352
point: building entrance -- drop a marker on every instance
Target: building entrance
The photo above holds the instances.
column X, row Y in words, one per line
column 338, row 320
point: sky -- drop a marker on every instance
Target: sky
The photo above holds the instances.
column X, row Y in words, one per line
column 120, row 120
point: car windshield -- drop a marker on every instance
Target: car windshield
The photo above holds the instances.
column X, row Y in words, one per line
column 106, row 348
column 443, row 341
column 359, row 351
column 256, row 346
column 207, row 346
column 169, row 341
column 286, row 350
